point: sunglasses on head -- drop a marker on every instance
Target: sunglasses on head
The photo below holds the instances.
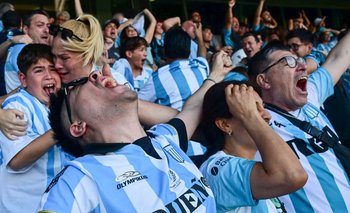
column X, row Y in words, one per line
column 65, row 33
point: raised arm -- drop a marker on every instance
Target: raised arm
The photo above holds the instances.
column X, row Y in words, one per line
column 306, row 19
column 338, row 60
column 191, row 112
column 229, row 14
column 78, row 8
column 202, row 51
column 152, row 25
column 170, row 22
column 258, row 11
column 151, row 113
column 267, row 180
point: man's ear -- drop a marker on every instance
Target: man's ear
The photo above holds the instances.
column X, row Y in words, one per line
column 77, row 129
column 22, row 78
column 262, row 81
column 223, row 125
column 309, row 47
column 25, row 29
column 128, row 53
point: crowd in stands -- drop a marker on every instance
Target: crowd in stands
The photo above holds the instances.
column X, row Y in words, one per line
column 141, row 114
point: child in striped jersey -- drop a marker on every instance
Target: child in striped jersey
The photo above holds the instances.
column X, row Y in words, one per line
column 120, row 167
column 27, row 166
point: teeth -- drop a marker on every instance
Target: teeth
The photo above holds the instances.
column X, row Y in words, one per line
column 303, row 78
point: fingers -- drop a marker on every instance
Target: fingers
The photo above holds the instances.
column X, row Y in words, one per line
column 18, row 114
column 106, row 71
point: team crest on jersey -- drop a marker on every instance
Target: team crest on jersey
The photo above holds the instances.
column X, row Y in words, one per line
column 174, row 154
column 174, row 179
column 128, row 178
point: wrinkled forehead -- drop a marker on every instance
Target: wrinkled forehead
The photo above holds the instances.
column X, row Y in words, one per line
column 277, row 54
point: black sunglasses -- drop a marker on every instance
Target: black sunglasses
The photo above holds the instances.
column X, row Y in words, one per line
column 65, row 33
column 69, row 87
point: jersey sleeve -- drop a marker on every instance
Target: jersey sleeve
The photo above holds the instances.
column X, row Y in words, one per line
column 10, row 148
column 229, row 179
column 68, row 193
column 320, row 86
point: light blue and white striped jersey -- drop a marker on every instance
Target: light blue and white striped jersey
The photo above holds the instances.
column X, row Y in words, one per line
column 150, row 175
column 328, row 187
column 194, row 50
column 176, row 82
column 143, row 84
column 317, row 56
column 11, row 69
column 24, row 188
column 229, row 179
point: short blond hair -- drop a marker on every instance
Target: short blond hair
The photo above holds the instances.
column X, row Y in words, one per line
column 88, row 28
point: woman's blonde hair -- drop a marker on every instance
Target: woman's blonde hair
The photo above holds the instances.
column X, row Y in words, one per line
column 87, row 28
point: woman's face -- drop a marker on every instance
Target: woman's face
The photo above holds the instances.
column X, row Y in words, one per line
column 69, row 64
column 131, row 32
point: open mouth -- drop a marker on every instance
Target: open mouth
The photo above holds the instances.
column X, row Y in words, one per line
column 49, row 89
column 301, row 84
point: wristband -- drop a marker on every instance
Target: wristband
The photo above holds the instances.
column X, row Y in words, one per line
column 209, row 79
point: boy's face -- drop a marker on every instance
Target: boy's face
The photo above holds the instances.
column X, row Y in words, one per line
column 137, row 57
column 41, row 80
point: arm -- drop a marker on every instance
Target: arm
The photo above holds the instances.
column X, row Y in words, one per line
column 290, row 24
column 25, row 39
column 33, row 151
column 229, row 14
column 258, row 11
column 311, row 66
column 152, row 26
column 202, row 51
column 274, row 23
column 170, row 22
column 306, row 19
column 125, row 24
column 191, row 112
column 78, row 8
column 267, row 180
column 338, row 59
column 151, row 113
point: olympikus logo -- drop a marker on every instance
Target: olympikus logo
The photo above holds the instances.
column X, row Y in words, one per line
column 129, row 178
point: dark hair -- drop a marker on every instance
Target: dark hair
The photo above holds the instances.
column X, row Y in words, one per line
column 215, row 106
column 262, row 59
column 177, row 43
column 131, row 44
column 304, row 35
column 123, row 34
column 66, row 141
column 11, row 19
column 31, row 54
column 28, row 18
column 247, row 34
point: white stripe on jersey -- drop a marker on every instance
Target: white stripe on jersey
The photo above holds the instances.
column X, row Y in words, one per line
column 81, row 204
column 131, row 189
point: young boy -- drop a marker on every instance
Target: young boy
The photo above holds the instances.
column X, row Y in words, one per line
column 28, row 163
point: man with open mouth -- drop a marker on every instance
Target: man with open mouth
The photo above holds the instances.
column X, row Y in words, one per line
column 289, row 92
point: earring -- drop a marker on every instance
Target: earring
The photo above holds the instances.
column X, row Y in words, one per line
column 230, row 133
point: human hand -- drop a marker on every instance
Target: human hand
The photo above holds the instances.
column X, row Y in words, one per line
column 12, row 123
column 221, row 66
column 24, row 39
column 241, row 101
column 231, row 3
